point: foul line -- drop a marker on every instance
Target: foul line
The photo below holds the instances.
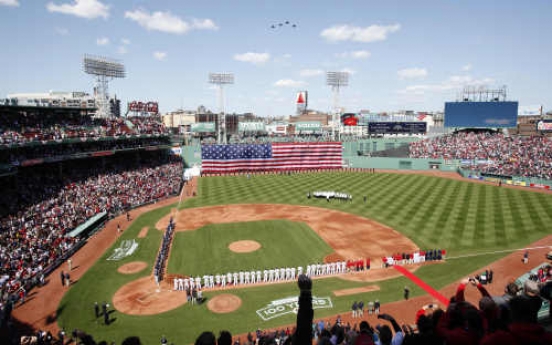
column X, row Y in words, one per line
column 495, row 252
column 422, row 284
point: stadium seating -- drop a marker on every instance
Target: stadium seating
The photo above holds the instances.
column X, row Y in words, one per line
column 493, row 153
column 42, row 207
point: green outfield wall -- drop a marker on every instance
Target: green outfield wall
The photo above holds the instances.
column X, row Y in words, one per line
column 351, row 148
column 192, row 156
column 400, row 163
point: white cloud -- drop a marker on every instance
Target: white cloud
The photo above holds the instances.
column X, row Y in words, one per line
column 357, row 54
column 161, row 56
column 360, row 54
column 289, row 83
column 254, row 58
column 412, row 73
column 167, row 22
column 122, row 50
column 62, row 31
column 204, row 24
column 372, row 33
column 12, row 3
column 455, row 82
column 467, row 68
column 102, row 41
column 125, row 41
column 286, row 56
column 89, row 9
column 310, row 72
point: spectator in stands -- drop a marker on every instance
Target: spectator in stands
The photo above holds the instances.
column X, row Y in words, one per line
column 492, row 153
column 38, row 212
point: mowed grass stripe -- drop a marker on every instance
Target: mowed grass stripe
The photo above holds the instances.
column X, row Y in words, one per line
column 422, row 206
column 480, row 226
column 426, row 210
column 394, row 214
column 440, row 232
column 393, row 187
column 534, row 213
column 517, row 224
column 502, row 237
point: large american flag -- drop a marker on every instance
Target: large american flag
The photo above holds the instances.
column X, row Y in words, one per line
column 266, row 157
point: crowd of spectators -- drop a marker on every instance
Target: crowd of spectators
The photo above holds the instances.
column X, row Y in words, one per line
column 148, row 125
column 25, row 127
column 509, row 319
column 40, row 206
column 20, row 155
column 493, row 153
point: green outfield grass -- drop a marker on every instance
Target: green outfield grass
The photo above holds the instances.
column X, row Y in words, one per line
column 205, row 250
column 460, row 216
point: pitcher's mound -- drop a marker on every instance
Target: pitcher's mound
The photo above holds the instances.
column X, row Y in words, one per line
column 225, row 303
column 132, row 267
column 246, row 246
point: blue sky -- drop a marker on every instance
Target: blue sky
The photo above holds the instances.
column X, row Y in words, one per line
column 401, row 54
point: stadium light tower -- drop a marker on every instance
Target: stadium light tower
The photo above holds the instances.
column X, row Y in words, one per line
column 336, row 80
column 221, row 79
column 103, row 70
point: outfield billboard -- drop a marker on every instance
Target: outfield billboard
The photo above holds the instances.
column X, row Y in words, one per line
column 544, row 126
column 481, row 114
column 349, row 119
column 203, row 127
column 397, row 127
column 308, row 126
column 302, row 101
column 251, row 127
column 144, row 107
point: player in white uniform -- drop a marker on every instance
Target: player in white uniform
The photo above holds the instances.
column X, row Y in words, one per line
column 186, row 284
column 235, row 278
column 246, row 276
column 258, row 276
column 265, row 276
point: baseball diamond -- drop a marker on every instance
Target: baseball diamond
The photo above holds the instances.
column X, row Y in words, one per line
column 410, row 205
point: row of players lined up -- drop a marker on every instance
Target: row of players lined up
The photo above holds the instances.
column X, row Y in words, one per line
column 254, row 277
column 413, row 258
column 285, row 274
column 330, row 194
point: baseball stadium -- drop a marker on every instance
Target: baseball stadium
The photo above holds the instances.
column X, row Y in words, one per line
column 321, row 227
column 160, row 219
